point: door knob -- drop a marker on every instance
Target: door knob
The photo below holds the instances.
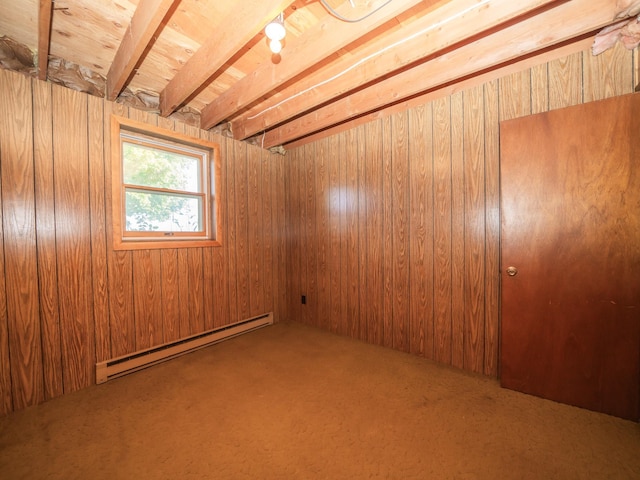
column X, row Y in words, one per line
column 512, row 271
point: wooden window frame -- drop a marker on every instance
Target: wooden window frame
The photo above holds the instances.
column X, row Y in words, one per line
column 211, row 172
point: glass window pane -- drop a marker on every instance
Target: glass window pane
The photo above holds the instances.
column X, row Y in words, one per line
column 158, row 212
column 155, row 167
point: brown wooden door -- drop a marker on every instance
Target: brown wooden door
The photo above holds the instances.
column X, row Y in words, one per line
column 570, row 193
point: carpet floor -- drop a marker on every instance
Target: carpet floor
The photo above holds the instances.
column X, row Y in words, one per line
column 294, row 402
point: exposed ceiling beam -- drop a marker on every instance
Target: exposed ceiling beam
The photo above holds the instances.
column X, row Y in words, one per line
column 570, row 48
column 326, row 37
column 244, row 23
column 568, row 20
column 44, row 37
column 144, row 24
column 450, row 24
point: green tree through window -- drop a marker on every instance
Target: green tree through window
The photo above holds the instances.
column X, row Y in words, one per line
column 170, row 176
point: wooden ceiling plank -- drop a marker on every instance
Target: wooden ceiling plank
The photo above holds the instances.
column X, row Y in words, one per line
column 44, row 37
column 246, row 21
column 330, row 33
column 145, row 22
column 454, row 22
column 562, row 23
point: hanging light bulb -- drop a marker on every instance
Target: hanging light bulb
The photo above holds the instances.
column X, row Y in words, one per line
column 275, row 46
column 275, row 32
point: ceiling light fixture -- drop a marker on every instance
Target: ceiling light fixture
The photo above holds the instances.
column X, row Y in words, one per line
column 275, row 32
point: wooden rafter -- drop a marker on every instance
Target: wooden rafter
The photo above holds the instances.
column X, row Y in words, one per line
column 571, row 47
column 330, row 33
column 145, row 22
column 245, row 22
column 454, row 22
column 566, row 21
column 44, row 37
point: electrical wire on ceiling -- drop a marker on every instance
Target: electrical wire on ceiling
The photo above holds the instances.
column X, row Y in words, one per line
column 351, row 20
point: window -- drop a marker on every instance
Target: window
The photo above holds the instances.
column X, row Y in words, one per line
column 164, row 188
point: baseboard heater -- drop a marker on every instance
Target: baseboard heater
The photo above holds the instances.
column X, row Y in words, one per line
column 126, row 364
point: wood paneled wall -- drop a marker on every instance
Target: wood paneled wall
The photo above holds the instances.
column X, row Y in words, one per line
column 394, row 225
column 67, row 299
column 391, row 230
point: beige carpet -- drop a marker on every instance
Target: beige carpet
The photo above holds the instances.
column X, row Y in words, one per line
column 294, row 402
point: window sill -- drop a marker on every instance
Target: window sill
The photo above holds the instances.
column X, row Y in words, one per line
column 155, row 244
